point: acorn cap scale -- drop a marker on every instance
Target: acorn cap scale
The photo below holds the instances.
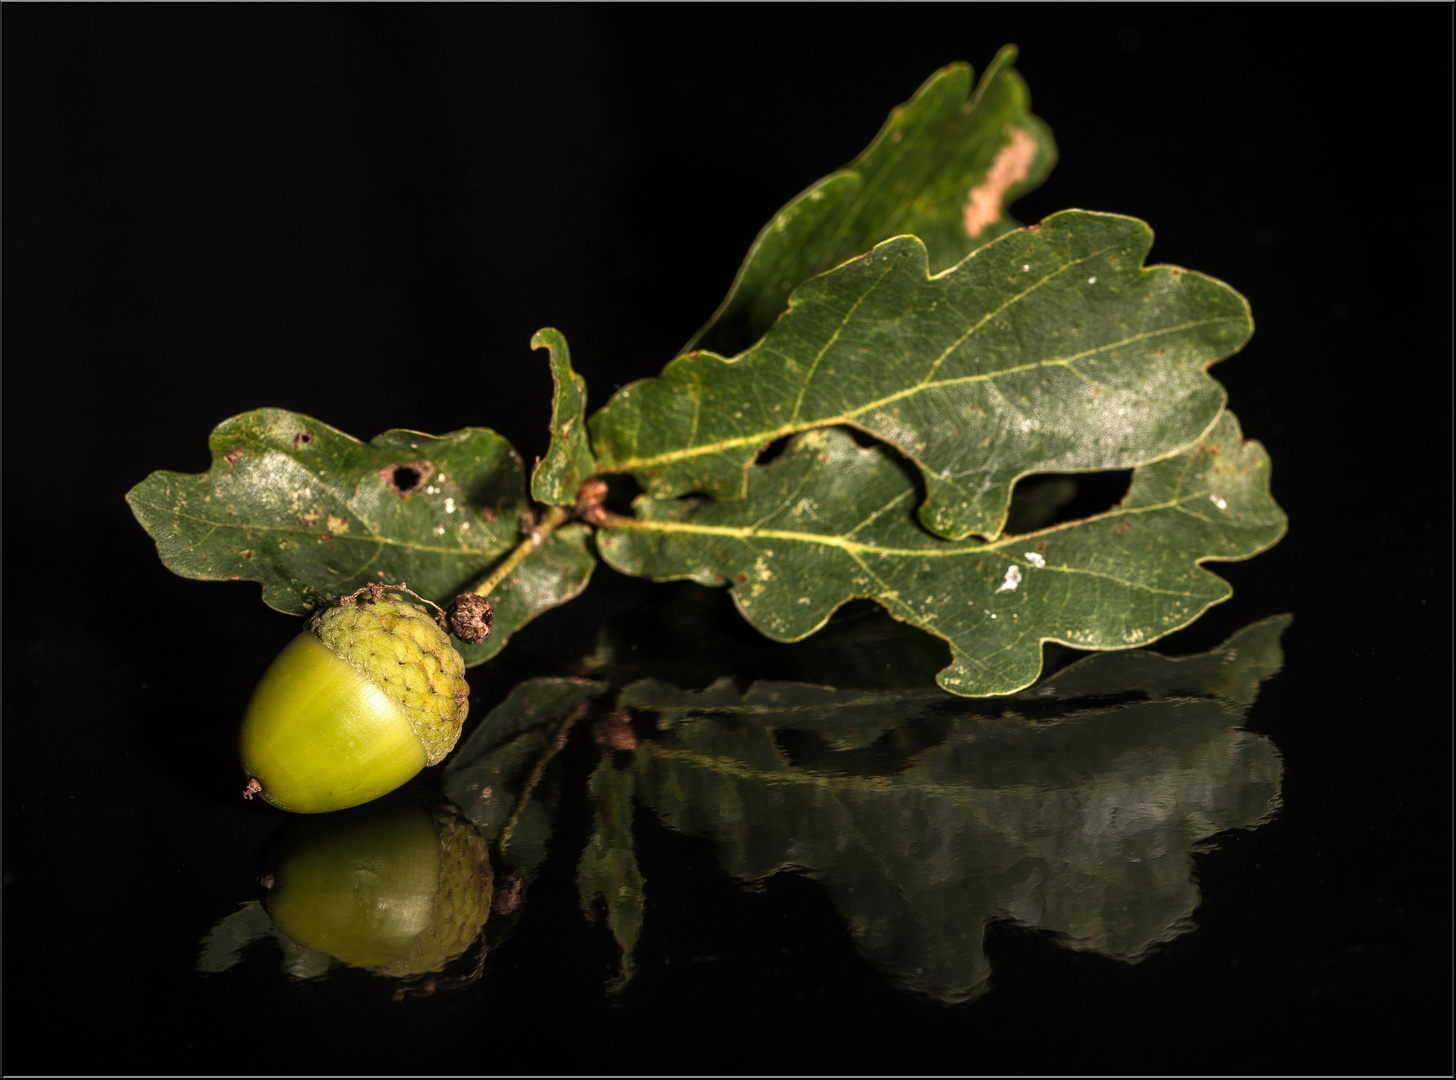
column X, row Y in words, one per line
column 370, row 693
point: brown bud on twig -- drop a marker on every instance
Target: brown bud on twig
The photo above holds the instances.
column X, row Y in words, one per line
column 589, row 499
column 469, row 617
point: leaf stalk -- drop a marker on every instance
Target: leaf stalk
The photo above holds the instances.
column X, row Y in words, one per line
column 536, row 534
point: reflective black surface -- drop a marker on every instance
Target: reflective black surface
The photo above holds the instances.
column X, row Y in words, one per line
column 209, row 210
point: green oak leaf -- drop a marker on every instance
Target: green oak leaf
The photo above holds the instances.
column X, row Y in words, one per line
column 1051, row 349
column 828, row 521
column 552, row 574
column 311, row 513
column 943, row 168
column 569, row 460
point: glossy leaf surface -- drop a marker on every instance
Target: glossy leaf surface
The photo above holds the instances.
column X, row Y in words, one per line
column 1049, row 350
column 311, row 513
column 943, row 168
column 829, row 521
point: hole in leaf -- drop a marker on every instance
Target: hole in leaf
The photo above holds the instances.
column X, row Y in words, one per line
column 621, row 490
column 302, row 439
column 404, row 480
column 772, row 450
column 1048, row 499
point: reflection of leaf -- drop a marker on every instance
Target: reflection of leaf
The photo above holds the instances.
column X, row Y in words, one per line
column 608, row 871
column 569, row 460
column 495, row 777
column 1082, row 822
column 1049, row 350
column 849, row 718
column 686, row 644
column 223, row 946
column 311, row 513
column 828, row 521
column 1232, row 672
column 943, row 168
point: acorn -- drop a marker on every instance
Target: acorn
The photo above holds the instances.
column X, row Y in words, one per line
column 365, row 697
column 391, row 887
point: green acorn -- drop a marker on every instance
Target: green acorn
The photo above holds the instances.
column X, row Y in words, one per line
column 369, row 694
column 390, row 887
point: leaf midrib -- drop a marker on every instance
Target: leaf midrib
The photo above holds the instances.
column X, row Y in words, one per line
column 769, row 435
column 856, row 549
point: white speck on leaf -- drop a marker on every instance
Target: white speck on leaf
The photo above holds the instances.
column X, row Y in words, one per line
column 1013, row 579
column 1092, row 281
column 1035, row 559
column 1218, row 501
column 449, row 506
column 1025, row 267
column 439, row 530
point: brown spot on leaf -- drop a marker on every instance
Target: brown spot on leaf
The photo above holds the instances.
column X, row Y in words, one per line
column 302, row 439
column 404, row 480
column 1124, row 524
column 984, row 201
column 741, row 578
column 232, row 456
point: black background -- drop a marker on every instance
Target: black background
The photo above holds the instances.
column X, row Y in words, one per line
column 364, row 213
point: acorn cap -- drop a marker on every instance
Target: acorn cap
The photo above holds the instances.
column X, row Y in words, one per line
column 462, row 901
column 399, row 648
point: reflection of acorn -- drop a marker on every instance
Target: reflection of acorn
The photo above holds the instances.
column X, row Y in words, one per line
column 369, row 694
column 388, row 886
